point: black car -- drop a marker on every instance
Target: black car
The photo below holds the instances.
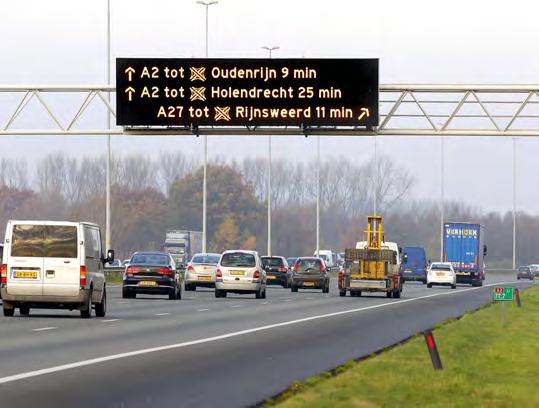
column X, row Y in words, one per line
column 525, row 272
column 278, row 271
column 310, row 273
column 151, row 273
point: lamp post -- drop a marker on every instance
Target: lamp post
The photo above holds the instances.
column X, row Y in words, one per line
column 270, row 50
column 108, row 238
column 206, row 4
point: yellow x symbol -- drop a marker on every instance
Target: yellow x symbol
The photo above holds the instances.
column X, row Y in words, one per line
column 197, row 94
column 198, row 74
column 222, row 113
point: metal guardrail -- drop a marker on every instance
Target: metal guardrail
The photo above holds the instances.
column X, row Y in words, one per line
column 405, row 110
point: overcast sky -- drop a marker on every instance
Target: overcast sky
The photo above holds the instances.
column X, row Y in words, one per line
column 64, row 42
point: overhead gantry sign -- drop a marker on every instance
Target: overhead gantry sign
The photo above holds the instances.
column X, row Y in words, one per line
column 247, row 92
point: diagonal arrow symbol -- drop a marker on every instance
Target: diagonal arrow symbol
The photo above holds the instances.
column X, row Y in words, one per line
column 364, row 112
column 129, row 91
column 129, row 71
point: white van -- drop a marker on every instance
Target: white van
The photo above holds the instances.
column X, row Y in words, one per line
column 53, row 265
column 327, row 256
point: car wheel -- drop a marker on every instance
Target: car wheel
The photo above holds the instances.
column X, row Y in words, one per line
column 217, row 293
column 86, row 311
column 424, row 281
column 125, row 293
column 24, row 310
column 294, row 288
column 173, row 295
column 388, row 294
column 101, row 308
column 179, row 293
column 133, row 295
column 429, row 285
column 453, row 286
column 397, row 294
column 9, row 310
column 264, row 294
column 531, row 277
column 342, row 293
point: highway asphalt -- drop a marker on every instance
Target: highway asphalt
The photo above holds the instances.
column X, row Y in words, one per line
column 206, row 352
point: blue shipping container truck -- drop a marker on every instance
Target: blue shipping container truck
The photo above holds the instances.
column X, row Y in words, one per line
column 464, row 248
column 414, row 264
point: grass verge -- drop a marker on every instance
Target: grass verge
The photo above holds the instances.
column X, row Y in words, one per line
column 113, row 277
column 486, row 364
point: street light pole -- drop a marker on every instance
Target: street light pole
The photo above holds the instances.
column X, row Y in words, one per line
column 108, row 238
column 206, row 4
column 514, row 203
column 442, row 177
column 317, row 195
column 375, row 183
column 269, row 49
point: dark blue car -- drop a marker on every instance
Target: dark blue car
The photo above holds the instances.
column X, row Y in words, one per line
column 414, row 264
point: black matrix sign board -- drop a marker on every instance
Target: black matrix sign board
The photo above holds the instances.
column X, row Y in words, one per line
column 246, row 92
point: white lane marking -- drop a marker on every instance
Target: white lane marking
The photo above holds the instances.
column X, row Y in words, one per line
column 122, row 302
column 309, row 298
column 264, row 303
column 236, row 306
column 109, row 320
column 202, row 310
column 161, row 314
column 98, row 360
column 287, row 300
column 45, row 328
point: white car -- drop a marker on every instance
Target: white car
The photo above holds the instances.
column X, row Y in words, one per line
column 441, row 273
column 201, row 271
column 240, row 272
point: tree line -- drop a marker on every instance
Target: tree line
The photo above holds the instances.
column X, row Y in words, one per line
column 150, row 195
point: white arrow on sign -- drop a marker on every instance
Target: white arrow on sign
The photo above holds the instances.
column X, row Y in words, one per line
column 364, row 112
column 129, row 71
column 129, row 91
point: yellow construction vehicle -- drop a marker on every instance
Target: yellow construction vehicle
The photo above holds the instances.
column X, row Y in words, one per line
column 373, row 265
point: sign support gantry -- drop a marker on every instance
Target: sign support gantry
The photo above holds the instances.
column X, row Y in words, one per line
column 405, row 110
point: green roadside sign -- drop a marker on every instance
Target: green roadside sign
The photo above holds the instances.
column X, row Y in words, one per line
column 503, row 293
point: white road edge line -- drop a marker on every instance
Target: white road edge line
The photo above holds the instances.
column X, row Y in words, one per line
column 202, row 310
column 98, row 360
column 45, row 328
column 161, row 314
column 234, row 306
column 109, row 320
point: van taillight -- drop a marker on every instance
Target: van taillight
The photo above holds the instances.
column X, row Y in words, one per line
column 4, row 273
column 165, row 271
column 281, row 269
column 83, row 275
column 219, row 275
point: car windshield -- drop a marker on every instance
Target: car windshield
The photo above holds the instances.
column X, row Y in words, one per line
column 523, row 269
column 49, row 241
column 308, row 265
column 534, row 267
column 238, row 259
column 440, row 267
column 272, row 262
column 323, row 256
column 291, row 261
column 206, row 259
column 149, row 259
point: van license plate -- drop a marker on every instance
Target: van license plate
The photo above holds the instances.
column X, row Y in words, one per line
column 25, row 274
column 147, row 283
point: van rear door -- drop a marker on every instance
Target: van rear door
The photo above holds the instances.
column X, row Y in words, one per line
column 61, row 259
column 24, row 258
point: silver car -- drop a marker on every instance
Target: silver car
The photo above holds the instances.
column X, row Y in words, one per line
column 201, row 271
column 240, row 272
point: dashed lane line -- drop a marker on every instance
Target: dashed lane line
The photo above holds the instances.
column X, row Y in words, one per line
column 44, row 329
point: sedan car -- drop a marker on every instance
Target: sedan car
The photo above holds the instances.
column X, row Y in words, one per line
column 310, row 273
column 278, row 271
column 241, row 272
column 441, row 273
column 525, row 272
column 201, row 271
column 151, row 273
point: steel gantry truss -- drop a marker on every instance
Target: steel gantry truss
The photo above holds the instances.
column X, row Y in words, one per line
column 405, row 110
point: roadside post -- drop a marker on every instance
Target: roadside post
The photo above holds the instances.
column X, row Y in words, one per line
column 433, row 350
column 503, row 294
column 517, row 297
